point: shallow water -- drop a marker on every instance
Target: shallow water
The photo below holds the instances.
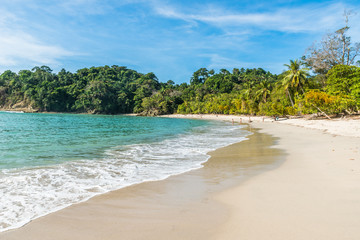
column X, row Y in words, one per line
column 50, row 161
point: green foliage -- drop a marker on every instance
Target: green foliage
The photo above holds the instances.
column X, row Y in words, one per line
column 115, row 89
column 316, row 99
column 105, row 89
column 294, row 79
column 165, row 101
column 343, row 79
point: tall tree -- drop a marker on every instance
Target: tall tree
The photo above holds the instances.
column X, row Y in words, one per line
column 335, row 49
column 200, row 76
column 294, row 78
column 264, row 90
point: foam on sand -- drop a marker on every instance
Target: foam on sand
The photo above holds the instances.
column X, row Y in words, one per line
column 29, row 193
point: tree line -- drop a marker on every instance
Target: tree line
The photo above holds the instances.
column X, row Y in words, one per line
column 108, row 90
column 325, row 80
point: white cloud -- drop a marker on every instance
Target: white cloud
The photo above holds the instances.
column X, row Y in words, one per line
column 21, row 48
column 310, row 18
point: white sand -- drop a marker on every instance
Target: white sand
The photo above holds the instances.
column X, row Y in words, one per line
column 341, row 127
column 313, row 195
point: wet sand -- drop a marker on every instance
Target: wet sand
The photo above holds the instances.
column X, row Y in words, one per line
column 180, row 207
column 284, row 183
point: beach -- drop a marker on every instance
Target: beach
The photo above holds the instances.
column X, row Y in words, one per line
column 314, row 195
column 298, row 183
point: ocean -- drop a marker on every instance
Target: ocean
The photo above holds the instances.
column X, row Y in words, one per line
column 51, row 161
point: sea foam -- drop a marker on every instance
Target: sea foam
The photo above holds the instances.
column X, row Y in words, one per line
column 29, row 193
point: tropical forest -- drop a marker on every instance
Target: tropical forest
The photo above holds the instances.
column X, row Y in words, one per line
column 325, row 81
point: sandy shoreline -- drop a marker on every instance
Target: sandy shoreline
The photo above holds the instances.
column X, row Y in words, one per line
column 341, row 127
column 180, row 207
column 313, row 194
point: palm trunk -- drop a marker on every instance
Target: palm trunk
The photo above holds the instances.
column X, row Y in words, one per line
column 302, row 89
column 321, row 111
column 288, row 93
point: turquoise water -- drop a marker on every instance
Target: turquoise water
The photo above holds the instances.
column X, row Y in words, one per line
column 45, row 139
column 51, row 161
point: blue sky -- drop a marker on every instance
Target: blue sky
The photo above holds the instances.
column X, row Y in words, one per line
column 170, row 38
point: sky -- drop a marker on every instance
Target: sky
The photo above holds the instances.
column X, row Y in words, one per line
column 170, row 38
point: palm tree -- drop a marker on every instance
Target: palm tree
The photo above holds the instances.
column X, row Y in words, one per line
column 264, row 90
column 248, row 89
column 294, row 78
